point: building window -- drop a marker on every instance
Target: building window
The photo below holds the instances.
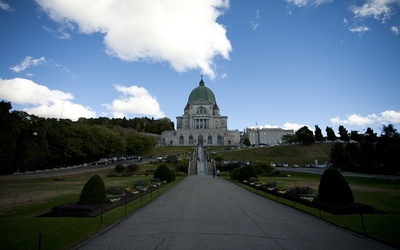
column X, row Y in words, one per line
column 219, row 140
column 201, row 111
column 209, row 139
column 190, row 140
column 181, row 140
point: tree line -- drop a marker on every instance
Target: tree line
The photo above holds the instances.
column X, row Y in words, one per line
column 28, row 142
column 357, row 152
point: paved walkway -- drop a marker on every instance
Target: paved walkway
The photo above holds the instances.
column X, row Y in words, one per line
column 205, row 213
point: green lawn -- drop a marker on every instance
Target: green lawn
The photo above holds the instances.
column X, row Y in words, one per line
column 21, row 228
column 384, row 195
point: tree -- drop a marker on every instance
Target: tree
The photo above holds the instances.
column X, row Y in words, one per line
column 163, row 173
column 330, row 134
column 338, row 156
column 334, row 189
column 8, row 137
column 344, row 136
column 370, row 136
column 305, row 135
column 388, row 149
column 354, row 135
column 94, row 191
column 318, row 134
column 288, row 138
column 247, row 142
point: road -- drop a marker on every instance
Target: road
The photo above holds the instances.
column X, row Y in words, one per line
column 65, row 171
column 202, row 212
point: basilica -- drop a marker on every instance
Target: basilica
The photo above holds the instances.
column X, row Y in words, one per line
column 201, row 123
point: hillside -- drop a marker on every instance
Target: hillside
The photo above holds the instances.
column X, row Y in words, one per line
column 291, row 154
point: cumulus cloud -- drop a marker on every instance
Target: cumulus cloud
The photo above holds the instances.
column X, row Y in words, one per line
column 27, row 63
column 254, row 22
column 360, row 30
column 135, row 101
column 395, row 30
column 287, row 125
column 389, row 116
column 304, row 3
column 380, row 10
column 4, row 6
column 183, row 33
column 45, row 102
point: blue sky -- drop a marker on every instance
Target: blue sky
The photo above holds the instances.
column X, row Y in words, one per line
column 280, row 63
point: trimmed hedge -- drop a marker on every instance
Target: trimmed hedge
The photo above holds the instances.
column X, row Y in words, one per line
column 246, row 172
column 94, row 191
column 163, row 173
column 334, row 189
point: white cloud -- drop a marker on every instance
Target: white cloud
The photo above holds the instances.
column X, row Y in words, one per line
column 304, row 3
column 389, row 116
column 27, row 63
column 395, row 30
column 183, row 33
column 380, row 10
column 4, row 6
column 287, row 125
column 254, row 22
column 46, row 102
column 359, row 29
column 135, row 100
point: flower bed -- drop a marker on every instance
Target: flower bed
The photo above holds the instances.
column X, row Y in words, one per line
column 78, row 210
column 303, row 196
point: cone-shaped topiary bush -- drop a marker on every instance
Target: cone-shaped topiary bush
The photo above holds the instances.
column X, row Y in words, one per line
column 246, row 172
column 334, row 189
column 164, row 173
column 94, row 191
column 235, row 173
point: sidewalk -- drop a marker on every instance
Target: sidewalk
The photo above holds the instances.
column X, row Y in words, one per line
column 206, row 213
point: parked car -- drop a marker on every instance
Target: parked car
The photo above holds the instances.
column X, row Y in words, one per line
column 102, row 161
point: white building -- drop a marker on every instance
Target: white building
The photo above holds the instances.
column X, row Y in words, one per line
column 201, row 123
column 266, row 136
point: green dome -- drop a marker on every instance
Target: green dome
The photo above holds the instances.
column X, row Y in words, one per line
column 201, row 93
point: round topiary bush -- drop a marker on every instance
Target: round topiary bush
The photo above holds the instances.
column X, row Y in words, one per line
column 246, row 172
column 94, row 191
column 235, row 173
column 333, row 188
column 164, row 173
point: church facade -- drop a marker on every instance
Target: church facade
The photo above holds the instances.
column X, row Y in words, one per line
column 201, row 123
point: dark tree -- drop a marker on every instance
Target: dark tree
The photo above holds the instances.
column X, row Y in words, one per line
column 330, row 134
column 318, row 134
column 334, row 189
column 94, row 191
column 344, row 135
column 339, row 157
column 354, row 135
column 370, row 136
column 305, row 135
column 388, row 149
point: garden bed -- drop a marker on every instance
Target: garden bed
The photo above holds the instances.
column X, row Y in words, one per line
column 78, row 210
column 313, row 201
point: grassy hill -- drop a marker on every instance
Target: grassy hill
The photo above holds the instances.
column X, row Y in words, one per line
column 291, row 154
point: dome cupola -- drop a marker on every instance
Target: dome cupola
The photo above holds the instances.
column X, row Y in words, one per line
column 201, row 93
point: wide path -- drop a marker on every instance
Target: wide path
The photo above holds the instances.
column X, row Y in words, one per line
column 205, row 213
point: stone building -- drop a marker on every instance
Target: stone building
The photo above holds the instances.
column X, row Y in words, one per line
column 266, row 136
column 201, row 123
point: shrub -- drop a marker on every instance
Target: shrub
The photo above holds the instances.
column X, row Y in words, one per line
column 297, row 189
column 173, row 175
column 333, row 188
column 140, row 183
column 119, row 168
column 235, row 173
column 132, row 168
column 115, row 190
column 94, row 191
column 246, row 172
column 164, row 173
